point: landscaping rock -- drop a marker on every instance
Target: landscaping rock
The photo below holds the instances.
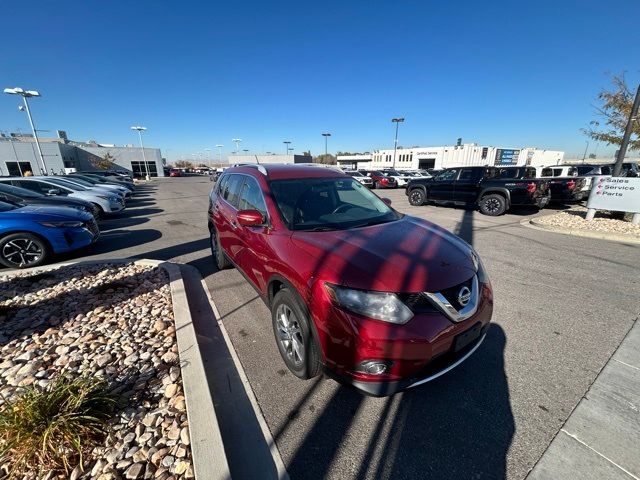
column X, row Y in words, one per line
column 109, row 321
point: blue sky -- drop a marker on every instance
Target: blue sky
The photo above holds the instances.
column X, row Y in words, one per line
column 504, row 73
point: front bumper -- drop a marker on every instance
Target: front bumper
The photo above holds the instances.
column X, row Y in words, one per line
column 69, row 239
column 417, row 352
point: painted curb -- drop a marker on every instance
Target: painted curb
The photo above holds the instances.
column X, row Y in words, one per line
column 207, row 449
column 612, row 237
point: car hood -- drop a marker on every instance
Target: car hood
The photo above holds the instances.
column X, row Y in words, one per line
column 408, row 255
column 51, row 213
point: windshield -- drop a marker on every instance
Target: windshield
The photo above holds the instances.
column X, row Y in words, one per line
column 83, row 178
column 329, row 204
column 354, row 174
column 66, row 184
column 5, row 207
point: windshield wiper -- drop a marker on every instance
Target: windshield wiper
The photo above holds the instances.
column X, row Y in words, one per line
column 370, row 223
column 320, row 229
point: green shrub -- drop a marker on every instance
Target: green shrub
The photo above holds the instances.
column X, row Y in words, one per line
column 52, row 428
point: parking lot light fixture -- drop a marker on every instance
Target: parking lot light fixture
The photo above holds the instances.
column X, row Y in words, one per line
column 237, row 141
column 397, row 121
column 326, row 137
column 219, row 147
column 144, row 157
column 287, row 143
column 29, row 94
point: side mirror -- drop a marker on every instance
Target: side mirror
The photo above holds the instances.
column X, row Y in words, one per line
column 250, row 218
column 387, row 201
column 53, row 191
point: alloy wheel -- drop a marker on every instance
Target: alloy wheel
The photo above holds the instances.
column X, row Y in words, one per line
column 290, row 335
column 492, row 205
column 22, row 252
column 416, row 197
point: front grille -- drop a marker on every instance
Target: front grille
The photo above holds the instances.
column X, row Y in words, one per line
column 451, row 293
column 417, row 302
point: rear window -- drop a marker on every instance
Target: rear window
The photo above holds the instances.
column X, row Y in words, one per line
column 546, row 172
column 584, row 170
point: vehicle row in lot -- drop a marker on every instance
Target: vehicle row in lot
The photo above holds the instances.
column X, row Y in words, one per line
column 481, row 186
column 350, row 287
column 47, row 215
column 494, row 190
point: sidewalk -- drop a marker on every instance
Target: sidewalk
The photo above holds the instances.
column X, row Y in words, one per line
column 601, row 437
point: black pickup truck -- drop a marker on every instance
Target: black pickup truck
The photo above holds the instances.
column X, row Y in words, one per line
column 481, row 186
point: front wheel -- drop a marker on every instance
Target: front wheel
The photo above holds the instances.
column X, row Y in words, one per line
column 493, row 205
column 292, row 329
column 219, row 257
column 23, row 250
column 416, row 197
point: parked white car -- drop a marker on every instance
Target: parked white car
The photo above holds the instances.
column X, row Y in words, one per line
column 103, row 202
column 360, row 177
column 566, row 171
column 110, row 189
column 401, row 178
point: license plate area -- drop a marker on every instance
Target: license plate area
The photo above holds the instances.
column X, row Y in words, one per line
column 467, row 337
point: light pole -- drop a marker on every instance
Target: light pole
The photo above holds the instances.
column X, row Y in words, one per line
column 237, row 142
column 287, row 143
column 326, row 138
column 208, row 154
column 140, row 129
column 28, row 94
column 397, row 121
column 219, row 146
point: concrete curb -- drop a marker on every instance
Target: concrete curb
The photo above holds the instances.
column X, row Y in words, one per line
column 612, row 237
column 600, row 437
column 207, row 449
column 275, row 453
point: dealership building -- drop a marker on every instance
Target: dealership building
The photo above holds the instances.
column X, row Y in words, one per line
column 19, row 154
column 468, row 154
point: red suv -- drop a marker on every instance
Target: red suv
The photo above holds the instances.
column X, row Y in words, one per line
column 377, row 299
column 382, row 180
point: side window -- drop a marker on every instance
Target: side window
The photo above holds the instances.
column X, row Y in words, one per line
column 447, row 175
column 606, row 170
column 222, row 183
column 251, row 197
column 466, row 174
column 231, row 191
column 546, row 172
column 31, row 185
column 557, row 172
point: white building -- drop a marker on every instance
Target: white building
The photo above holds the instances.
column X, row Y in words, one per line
column 468, row 154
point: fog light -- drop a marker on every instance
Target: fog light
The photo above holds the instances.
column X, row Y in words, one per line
column 373, row 367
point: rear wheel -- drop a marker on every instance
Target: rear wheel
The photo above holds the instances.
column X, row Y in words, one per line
column 23, row 250
column 219, row 256
column 416, row 197
column 292, row 329
column 493, row 205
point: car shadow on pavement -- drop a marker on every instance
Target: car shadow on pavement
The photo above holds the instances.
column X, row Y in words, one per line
column 124, row 222
column 458, row 426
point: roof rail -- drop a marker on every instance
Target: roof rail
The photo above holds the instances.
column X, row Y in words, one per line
column 260, row 168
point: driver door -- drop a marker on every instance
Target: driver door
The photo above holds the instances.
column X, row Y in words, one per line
column 442, row 187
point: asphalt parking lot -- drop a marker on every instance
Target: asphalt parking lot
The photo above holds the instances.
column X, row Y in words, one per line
column 562, row 306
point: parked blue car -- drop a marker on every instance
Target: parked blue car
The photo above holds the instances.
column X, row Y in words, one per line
column 30, row 235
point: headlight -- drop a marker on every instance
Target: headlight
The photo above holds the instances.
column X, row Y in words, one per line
column 379, row 305
column 479, row 266
column 61, row 224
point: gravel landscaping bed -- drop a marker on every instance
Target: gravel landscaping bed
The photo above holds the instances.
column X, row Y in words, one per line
column 103, row 321
column 574, row 220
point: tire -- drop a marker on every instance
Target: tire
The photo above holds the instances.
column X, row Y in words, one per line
column 294, row 338
column 97, row 211
column 416, row 197
column 23, row 250
column 219, row 257
column 493, row 205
